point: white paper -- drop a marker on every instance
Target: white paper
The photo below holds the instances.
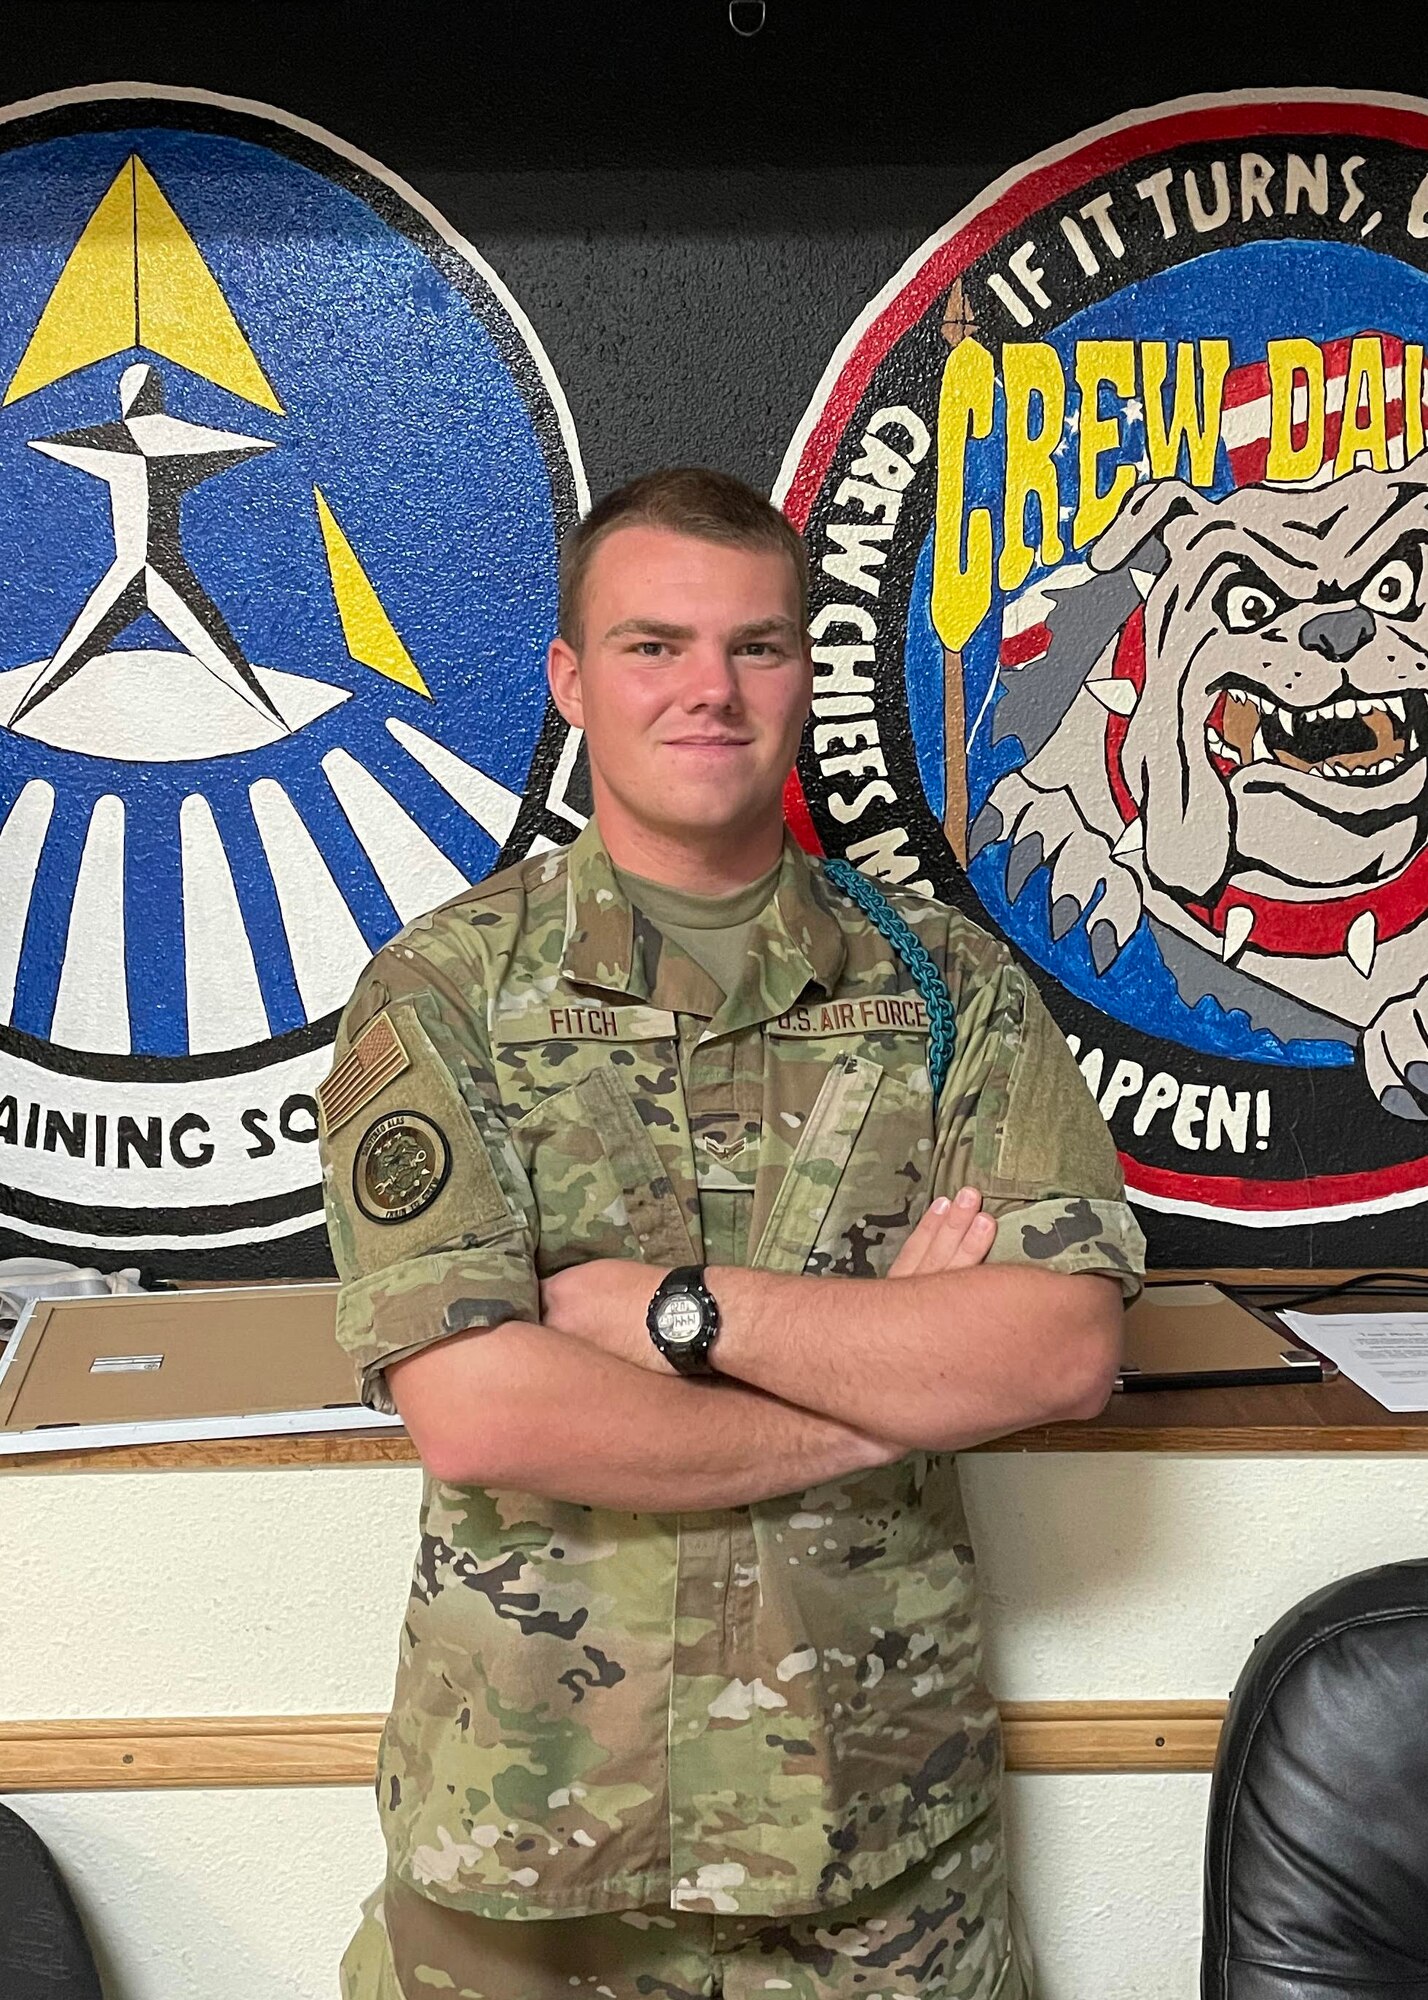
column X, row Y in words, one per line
column 1386, row 1354
column 186, row 1430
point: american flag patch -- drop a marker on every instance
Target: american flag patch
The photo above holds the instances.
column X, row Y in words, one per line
column 369, row 1065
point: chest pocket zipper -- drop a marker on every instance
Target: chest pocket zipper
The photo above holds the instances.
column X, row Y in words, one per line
column 811, row 1178
column 657, row 1220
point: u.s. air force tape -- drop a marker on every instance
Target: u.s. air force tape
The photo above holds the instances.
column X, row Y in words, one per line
column 400, row 1166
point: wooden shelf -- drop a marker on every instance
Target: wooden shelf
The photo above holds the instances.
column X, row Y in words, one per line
column 1308, row 1418
column 254, row 1454
column 1244, row 1423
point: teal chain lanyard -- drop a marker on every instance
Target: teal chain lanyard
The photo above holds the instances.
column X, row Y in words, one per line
column 941, row 1015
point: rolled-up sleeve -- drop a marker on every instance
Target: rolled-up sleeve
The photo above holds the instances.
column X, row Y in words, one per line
column 1016, row 1121
column 397, row 1311
column 427, row 1204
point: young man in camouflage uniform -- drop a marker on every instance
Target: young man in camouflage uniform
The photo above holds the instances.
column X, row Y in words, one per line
column 687, row 1286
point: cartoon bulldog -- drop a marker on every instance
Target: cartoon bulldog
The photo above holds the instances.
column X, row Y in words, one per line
column 1245, row 762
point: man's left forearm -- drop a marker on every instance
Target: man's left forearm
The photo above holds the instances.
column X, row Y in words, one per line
column 935, row 1363
column 944, row 1351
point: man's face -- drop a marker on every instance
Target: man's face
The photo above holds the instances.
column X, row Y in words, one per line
column 692, row 681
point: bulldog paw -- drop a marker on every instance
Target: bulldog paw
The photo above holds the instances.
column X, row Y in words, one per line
column 1046, row 829
column 1396, row 1055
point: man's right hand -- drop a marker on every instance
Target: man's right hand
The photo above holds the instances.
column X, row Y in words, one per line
column 951, row 1236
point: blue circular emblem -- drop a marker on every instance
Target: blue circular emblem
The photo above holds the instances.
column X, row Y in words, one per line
column 283, row 473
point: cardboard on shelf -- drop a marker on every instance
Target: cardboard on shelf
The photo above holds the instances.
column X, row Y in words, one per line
column 159, row 1367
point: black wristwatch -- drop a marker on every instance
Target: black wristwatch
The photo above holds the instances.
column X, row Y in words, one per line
column 683, row 1320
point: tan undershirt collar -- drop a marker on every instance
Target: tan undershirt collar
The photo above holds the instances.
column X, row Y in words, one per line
column 712, row 930
column 684, row 910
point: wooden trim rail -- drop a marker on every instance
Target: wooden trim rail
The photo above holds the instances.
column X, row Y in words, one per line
column 1111, row 1735
column 219, row 1751
column 174, row 1752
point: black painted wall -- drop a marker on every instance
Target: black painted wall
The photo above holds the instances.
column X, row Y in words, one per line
column 689, row 217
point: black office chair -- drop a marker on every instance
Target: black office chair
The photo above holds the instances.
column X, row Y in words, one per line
column 1316, row 1859
column 44, row 1954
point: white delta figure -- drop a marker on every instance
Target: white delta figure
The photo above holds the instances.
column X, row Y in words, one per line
column 149, row 460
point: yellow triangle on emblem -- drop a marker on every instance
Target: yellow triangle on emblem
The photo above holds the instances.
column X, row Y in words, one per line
column 371, row 637
column 136, row 278
column 91, row 312
column 181, row 312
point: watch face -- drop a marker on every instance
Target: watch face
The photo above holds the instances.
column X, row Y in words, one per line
column 680, row 1320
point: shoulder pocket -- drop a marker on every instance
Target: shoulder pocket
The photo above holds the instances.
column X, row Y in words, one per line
column 405, row 1168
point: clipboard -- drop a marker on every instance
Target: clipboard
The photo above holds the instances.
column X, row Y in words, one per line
column 1198, row 1336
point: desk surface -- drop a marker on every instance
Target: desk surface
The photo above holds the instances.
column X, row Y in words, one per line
column 1303, row 1418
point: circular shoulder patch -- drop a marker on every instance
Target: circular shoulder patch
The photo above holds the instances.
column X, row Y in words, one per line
column 401, row 1167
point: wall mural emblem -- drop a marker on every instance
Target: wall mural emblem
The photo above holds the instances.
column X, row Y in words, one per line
column 283, row 472
column 1117, row 499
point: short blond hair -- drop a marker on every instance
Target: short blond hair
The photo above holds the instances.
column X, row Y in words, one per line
column 688, row 500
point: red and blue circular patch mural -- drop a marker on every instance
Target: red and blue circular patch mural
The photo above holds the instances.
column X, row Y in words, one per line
column 1117, row 505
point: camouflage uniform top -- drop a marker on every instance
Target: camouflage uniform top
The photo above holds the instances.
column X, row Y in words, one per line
column 762, row 1709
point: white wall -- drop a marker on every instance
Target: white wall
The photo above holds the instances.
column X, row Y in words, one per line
column 1127, row 1577
column 1107, row 1577
column 1107, row 1871
column 234, row 1895
column 203, row 1593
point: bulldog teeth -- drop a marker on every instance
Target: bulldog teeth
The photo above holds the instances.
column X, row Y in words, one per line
column 1361, row 944
column 1344, row 709
column 1132, row 840
column 1239, row 922
column 1119, row 696
column 1359, row 771
column 1340, row 711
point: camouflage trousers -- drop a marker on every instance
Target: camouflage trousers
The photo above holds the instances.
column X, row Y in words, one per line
column 943, row 1930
